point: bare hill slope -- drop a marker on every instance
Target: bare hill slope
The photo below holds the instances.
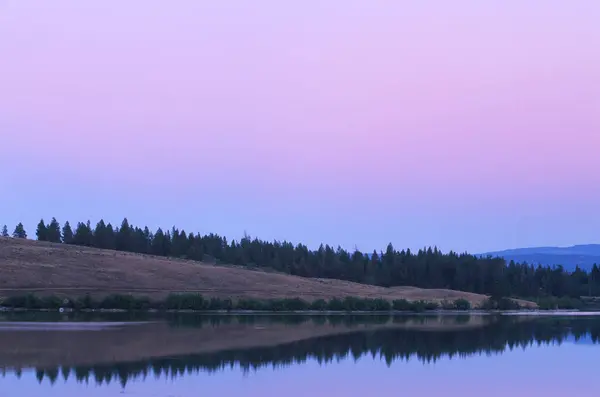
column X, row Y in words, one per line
column 27, row 265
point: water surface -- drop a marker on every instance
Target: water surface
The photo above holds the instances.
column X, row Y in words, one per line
column 192, row 355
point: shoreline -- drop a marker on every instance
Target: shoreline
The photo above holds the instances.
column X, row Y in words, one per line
column 524, row 312
column 348, row 305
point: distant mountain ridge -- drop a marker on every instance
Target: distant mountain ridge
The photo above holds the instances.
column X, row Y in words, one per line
column 584, row 256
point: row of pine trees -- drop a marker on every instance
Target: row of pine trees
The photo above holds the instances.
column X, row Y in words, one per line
column 427, row 268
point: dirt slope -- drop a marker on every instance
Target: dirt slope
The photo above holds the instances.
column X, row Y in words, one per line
column 27, row 265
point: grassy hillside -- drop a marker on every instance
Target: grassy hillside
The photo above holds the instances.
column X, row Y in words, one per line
column 70, row 270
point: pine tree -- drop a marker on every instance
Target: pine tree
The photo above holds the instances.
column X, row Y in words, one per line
column 124, row 237
column 83, row 234
column 161, row 243
column 67, row 233
column 53, row 231
column 140, row 241
column 100, row 235
column 41, row 232
column 147, row 238
column 20, row 231
column 110, row 237
column 595, row 272
column 595, row 278
column 5, row 231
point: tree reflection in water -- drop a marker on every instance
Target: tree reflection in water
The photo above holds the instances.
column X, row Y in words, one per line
column 495, row 337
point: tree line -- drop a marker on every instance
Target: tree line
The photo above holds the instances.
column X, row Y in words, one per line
column 426, row 268
column 196, row 302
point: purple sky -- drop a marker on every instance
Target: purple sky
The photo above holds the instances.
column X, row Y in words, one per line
column 473, row 125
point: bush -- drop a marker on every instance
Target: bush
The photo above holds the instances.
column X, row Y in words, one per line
column 462, row 304
column 507, row 304
column 14, row 302
column 380, row 304
column 51, row 302
column 553, row 303
column 447, row 305
column 296, row 304
column 569, row 303
column 275, row 305
column 351, row 303
column 223, row 304
column 319, row 304
column 250, row 304
column 85, row 303
column 418, row 306
column 500, row 304
column 186, row 302
column 117, row 301
column 335, row 304
column 287, row 304
column 214, row 304
column 141, row 303
column 488, row 304
column 227, row 304
column 401, row 305
column 28, row 301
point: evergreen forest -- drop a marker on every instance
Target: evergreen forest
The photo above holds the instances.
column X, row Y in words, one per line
column 426, row 268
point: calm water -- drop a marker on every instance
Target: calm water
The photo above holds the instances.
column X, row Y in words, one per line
column 298, row 356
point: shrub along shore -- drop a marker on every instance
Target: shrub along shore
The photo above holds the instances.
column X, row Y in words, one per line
column 197, row 302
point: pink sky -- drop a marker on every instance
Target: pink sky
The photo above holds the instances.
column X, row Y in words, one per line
column 467, row 124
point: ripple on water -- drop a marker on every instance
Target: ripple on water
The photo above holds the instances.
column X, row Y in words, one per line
column 63, row 326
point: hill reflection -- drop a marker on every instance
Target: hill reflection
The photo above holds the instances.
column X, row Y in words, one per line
column 386, row 338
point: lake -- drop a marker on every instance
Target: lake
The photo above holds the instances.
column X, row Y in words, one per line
column 53, row 354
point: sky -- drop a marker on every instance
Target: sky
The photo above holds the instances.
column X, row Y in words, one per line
column 468, row 125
